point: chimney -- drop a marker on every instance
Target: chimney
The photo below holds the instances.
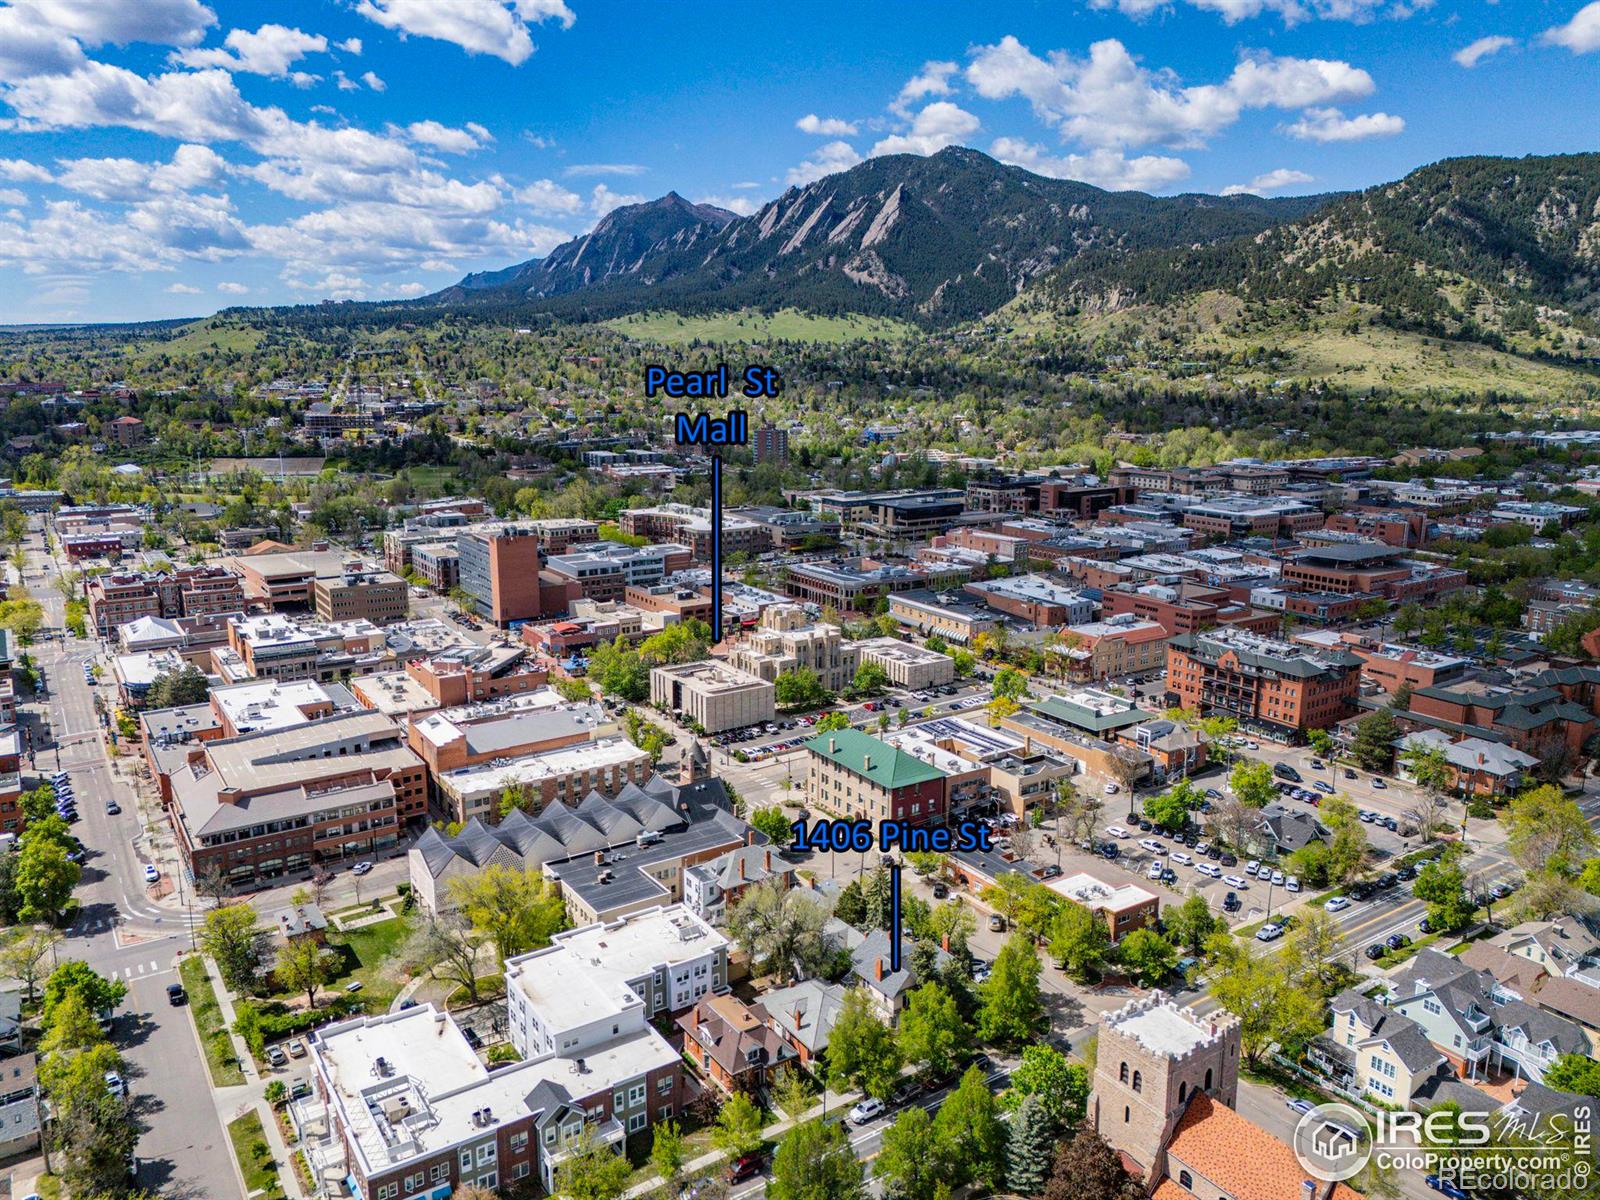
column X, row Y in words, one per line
column 599, row 858
column 880, row 969
column 767, row 864
column 867, row 762
column 944, row 943
column 741, row 868
column 833, row 745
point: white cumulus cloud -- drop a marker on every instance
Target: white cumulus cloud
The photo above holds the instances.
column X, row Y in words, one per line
column 827, row 159
column 1271, row 181
column 825, row 126
column 270, row 50
column 1292, row 12
column 938, row 125
column 1331, row 125
column 602, row 200
column 442, row 137
column 546, row 198
column 742, row 205
column 110, row 22
column 932, row 80
column 181, row 289
column 1111, row 99
column 1105, row 168
column 494, row 27
column 1581, row 34
column 1474, row 53
column 370, row 78
column 232, row 289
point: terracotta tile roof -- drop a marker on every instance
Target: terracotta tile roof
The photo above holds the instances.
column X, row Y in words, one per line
column 1236, row 1155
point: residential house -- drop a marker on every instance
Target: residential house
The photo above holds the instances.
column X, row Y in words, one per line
column 732, row 1045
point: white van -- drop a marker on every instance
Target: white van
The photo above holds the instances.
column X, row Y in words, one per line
column 1182, row 859
column 1211, row 869
column 1117, row 831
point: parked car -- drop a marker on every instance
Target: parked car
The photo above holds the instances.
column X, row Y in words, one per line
column 940, row 891
column 1300, row 1106
column 1230, row 902
column 297, row 1049
column 997, row 923
column 1277, row 878
column 1291, row 883
column 299, row 1088
column 1112, row 789
column 1375, row 952
column 866, row 1111
column 1229, row 860
column 1235, row 881
column 1337, row 904
column 1269, row 933
column 176, row 995
column 747, row 1166
column 277, row 1057
column 361, row 868
column 151, row 873
column 116, row 1084
column 1397, row 941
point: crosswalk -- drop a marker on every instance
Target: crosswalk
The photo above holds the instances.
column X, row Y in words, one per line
column 138, row 969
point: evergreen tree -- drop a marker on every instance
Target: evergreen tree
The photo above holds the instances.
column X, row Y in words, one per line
column 1031, row 1148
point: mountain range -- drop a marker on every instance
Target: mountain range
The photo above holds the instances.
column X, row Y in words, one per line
column 937, row 240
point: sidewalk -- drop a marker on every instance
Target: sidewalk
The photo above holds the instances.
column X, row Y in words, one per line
column 772, row 1133
column 254, row 1092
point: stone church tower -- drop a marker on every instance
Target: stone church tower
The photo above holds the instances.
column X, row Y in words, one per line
column 1152, row 1058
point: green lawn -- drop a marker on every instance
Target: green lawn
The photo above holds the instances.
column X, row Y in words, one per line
column 747, row 325
column 367, row 955
column 207, row 1014
column 256, row 1163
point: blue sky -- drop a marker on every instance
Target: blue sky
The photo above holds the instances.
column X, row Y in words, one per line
column 164, row 158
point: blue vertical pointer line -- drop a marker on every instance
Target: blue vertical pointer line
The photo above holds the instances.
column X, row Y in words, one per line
column 894, row 919
column 716, row 547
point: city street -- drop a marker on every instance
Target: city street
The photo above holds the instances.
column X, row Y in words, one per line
column 120, row 930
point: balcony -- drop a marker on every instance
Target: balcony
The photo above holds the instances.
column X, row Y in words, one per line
column 609, row 1133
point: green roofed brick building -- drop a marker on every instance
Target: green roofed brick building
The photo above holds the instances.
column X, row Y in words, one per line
column 852, row 775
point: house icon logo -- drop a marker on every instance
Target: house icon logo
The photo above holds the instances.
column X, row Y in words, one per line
column 1332, row 1142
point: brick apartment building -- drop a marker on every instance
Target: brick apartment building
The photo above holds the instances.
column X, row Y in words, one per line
column 850, row 774
column 118, row 598
column 1072, row 498
column 361, row 592
column 1245, row 516
column 1270, row 686
column 499, row 570
column 263, row 805
column 1400, row 527
column 1368, row 567
column 691, row 527
column 1184, row 607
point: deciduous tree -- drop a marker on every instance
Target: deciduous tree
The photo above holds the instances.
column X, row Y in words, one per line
column 815, row 1161
column 304, row 966
column 1012, row 1007
column 516, row 910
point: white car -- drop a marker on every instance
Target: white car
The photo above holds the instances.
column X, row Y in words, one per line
column 115, row 1084
column 1156, row 868
column 151, row 874
column 1277, row 878
column 1152, row 845
column 1269, row 933
column 1112, row 789
column 1182, row 859
column 1117, row 831
column 1203, row 849
column 1252, row 868
column 1338, row 904
column 867, row 1110
column 1292, row 884
column 1235, row 881
column 1211, row 870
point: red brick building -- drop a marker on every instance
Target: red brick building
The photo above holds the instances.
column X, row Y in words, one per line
column 1269, row 686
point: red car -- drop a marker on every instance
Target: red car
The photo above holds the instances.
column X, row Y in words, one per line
column 747, row 1167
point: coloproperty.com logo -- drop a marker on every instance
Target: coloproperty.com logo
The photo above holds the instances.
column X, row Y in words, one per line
column 1476, row 1151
